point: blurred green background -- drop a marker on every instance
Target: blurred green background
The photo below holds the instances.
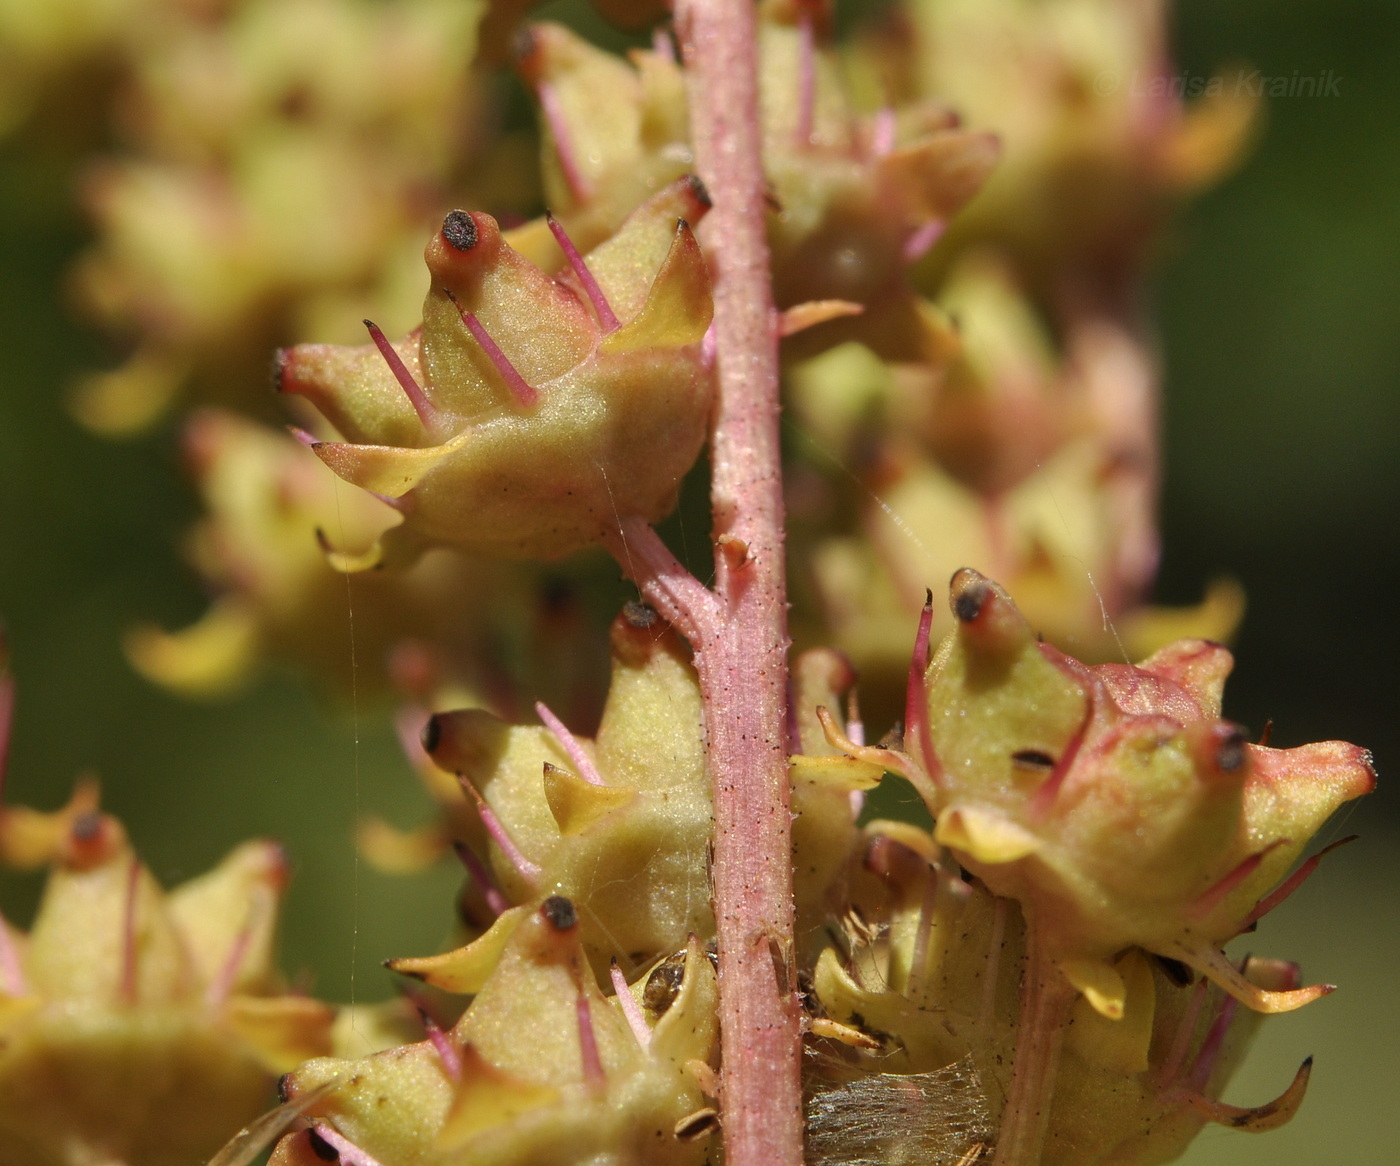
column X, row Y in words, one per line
column 1277, row 300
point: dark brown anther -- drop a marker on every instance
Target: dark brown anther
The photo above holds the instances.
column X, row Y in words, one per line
column 279, row 368
column 1032, row 759
column 459, row 229
column 1231, row 753
column 432, row 735
column 969, row 601
column 699, row 190
column 559, row 913
column 1267, row 733
column 285, row 1089
column 86, row 826
column 322, row 1148
column 639, row 615
column 700, row 1124
column 1177, row 972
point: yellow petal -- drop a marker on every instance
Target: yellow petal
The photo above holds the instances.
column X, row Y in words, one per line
column 465, row 969
column 984, row 834
column 385, row 469
column 283, row 1031
column 577, row 804
column 1100, row 983
column 679, row 307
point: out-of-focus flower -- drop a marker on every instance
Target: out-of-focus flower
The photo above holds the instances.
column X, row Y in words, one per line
column 138, row 1026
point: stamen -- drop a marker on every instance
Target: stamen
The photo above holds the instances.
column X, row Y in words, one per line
column 222, row 984
column 1291, row 884
column 855, row 730
column 662, row 44
column 525, row 396
column 917, row 245
column 426, row 410
column 1212, row 898
column 593, row 1075
column 448, row 1052
column 1181, row 1042
column 1044, row 797
column 12, row 980
column 882, row 131
column 916, row 694
column 350, row 1154
column 306, row 439
column 806, row 78
column 128, row 981
column 496, row 901
column 1210, row 1047
column 582, row 762
column 630, row 1008
column 601, row 308
column 558, row 124
column 523, row 866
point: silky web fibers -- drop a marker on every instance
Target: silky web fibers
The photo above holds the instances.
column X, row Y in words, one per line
column 893, row 1119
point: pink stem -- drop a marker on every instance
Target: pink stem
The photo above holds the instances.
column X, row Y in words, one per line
column 1212, row 898
column 743, row 666
column 582, row 762
column 679, row 596
column 426, row 410
column 601, row 307
column 521, row 389
column 630, row 1008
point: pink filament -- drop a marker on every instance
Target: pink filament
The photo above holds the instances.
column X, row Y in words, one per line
column 350, row 1154
column 593, row 1074
column 630, row 1008
column 916, row 726
column 426, row 410
column 520, row 388
column 524, row 867
column 496, row 901
column 553, row 111
column 222, row 984
column 1211, row 898
column 882, row 132
column 921, row 239
column 601, row 308
column 446, row 1048
column 582, row 762
column 1291, row 884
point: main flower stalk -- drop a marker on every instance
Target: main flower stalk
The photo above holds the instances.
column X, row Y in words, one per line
column 741, row 652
